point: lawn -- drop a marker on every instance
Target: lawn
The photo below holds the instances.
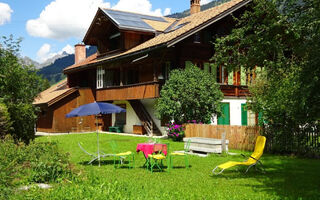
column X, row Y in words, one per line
column 285, row 177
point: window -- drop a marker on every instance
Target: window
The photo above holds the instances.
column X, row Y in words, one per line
column 188, row 64
column 197, row 38
column 225, row 118
column 114, row 41
column 166, row 68
column 132, row 77
column 100, row 77
column 244, row 114
column 121, row 117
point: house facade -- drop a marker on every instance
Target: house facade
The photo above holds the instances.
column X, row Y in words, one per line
column 135, row 54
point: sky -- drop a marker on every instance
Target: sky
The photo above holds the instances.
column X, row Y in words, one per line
column 49, row 27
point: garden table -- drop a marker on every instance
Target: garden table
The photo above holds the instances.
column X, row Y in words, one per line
column 149, row 148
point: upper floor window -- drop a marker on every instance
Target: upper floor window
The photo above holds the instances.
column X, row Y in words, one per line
column 197, row 38
column 100, row 77
column 114, row 41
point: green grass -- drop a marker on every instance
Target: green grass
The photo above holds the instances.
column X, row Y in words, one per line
column 285, row 177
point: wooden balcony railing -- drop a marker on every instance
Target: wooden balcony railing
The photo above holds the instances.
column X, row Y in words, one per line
column 145, row 90
column 235, row 90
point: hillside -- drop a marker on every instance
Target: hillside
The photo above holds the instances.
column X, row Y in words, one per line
column 54, row 71
column 203, row 7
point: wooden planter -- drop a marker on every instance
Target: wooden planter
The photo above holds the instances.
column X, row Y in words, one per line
column 139, row 130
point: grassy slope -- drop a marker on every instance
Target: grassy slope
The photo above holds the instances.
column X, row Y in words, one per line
column 286, row 177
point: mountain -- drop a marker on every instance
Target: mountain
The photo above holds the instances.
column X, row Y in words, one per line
column 53, row 59
column 203, row 7
column 54, row 70
column 28, row 61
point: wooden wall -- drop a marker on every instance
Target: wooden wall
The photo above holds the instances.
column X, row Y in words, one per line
column 240, row 137
column 54, row 120
column 130, row 92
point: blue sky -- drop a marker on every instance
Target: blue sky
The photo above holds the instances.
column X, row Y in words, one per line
column 49, row 27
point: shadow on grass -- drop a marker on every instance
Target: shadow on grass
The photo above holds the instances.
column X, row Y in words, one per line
column 286, row 177
column 96, row 163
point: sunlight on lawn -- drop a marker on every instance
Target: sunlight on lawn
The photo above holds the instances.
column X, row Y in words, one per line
column 285, row 177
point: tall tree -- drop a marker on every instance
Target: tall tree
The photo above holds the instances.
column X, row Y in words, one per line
column 282, row 37
column 184, row 97
column 19, row 85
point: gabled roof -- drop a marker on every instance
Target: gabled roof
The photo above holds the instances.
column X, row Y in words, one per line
column 178, row 31
column 54, row 94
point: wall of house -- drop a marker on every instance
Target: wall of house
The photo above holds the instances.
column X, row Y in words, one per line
column 131, row 117
column 54, row 120
column 235, row 112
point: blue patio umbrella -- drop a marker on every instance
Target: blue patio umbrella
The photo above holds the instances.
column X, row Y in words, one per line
column 96, row 108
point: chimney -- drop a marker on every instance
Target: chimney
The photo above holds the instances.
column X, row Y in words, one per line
column 194, row 6
column 79, row 53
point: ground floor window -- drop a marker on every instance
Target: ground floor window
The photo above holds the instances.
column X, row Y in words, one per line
column 225, row 118
column 121, row 118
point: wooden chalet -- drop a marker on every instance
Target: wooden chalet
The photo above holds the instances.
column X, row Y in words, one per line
column 135, row 55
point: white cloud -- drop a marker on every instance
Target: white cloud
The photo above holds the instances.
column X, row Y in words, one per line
column 5, row 13
column 139, row 6
column 62, row 19
column 45, row 52
column 167, row 11
column 202, row 2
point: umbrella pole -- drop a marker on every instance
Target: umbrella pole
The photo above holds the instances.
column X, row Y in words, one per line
column 97, row 131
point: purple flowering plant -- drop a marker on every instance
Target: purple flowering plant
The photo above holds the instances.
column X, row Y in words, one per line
column 175, row 131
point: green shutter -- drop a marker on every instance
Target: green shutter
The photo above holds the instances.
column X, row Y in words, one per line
column 188, row 64
column 260, row 119
column 230, row 78
column 225, row 118
column 243, row 76
column 244, row 115
column 206, row 67
column 214, row 71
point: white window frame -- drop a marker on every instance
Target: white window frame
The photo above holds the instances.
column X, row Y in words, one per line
column 100, row 77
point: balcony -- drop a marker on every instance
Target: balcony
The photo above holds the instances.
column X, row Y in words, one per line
column 145, row 90
column 234, row 90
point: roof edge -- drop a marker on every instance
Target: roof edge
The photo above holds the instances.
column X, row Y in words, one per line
column 207, row 23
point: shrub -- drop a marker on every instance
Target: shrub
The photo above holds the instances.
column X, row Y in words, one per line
column 175, row 131
column 36, row 162
column 5, row 124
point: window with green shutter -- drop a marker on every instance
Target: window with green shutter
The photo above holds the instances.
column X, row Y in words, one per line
column 244, row 115
column 230, row 78
column 243, row 76
column 206, row 67
column 225, row 118
column 213, row 71
column 188, row 64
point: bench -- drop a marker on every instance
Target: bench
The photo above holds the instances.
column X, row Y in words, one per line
column 206, row 145
column 117, row 128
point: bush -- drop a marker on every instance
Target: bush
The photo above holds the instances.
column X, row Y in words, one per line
column 34, row 163
column 175, row 131
column 5, row 124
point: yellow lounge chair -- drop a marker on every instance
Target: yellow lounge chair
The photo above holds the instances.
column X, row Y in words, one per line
column 252, row 161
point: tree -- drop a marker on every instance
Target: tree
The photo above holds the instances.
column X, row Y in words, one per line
column 5, row 123
column 282, row 37
column 189, row 94
column 19, row 85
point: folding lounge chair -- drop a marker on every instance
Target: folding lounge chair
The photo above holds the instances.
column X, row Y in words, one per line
column 252, row 160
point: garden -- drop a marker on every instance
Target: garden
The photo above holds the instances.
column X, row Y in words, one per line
column 62, row 164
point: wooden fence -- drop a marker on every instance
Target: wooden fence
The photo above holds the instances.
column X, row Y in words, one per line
column 240, row 137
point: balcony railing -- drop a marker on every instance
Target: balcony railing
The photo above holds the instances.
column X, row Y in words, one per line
column 234, row 90
column 146, row 90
